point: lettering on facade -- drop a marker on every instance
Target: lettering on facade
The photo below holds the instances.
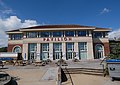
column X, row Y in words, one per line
column 58, row 39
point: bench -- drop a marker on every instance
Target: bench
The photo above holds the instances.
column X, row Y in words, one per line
column 39, row 63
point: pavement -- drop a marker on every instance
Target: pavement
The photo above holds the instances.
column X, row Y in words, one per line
column 32, row 75
column 83, row 79
column 85, row 64
column 47, row 75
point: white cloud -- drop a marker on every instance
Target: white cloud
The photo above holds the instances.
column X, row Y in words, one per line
column 5, row 10
column 114, row 34
column 11, row 23
column 105, row 10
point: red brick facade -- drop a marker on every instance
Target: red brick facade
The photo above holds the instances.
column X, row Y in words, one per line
column 11, row 46
column 106, row 48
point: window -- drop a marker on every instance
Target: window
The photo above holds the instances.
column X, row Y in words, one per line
column 82, row 46
column 69, row 50
column 45, row 47
column 98, row 51
column 44, row 51
column 45, row 34
column 17, row 49
column 32, row 49
column 57, row 47
column 97, row 34
column 31, row 34
column 16, row 36
column 81, row 33
column 69, row 33
column 57, row 34
column 32, row 46
column 57, row 50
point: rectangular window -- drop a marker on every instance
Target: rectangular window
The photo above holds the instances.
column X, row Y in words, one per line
column 57, row 50
column 69, row 50
column 57, row 34
column 45, row 34
column 69, row 33
column 82, row 33
column 44, row 51
column 16, row 36
column 45, row 47
column 32, row 49
column 82, row 46
column 97, row 34
column 31, row 34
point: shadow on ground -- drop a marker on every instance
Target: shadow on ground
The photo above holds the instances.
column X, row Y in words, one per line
column 13, row 81
column 63, row 76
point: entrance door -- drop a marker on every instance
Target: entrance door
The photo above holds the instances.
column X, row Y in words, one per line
column 69, row 50
column 82, row 46
column 98, row 51
column 44, row 51
column 45, row 55
column 32, row 56
column 57, row 49
column 32, row 49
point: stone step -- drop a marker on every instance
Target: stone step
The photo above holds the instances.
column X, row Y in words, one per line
column 91, row 71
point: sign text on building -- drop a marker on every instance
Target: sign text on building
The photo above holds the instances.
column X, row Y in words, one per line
column 58, row 39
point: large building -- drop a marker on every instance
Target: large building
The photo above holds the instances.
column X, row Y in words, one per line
column 53, row 41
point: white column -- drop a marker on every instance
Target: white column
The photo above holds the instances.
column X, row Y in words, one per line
column 64, row 50
column 76, row 49
column 106, row 35
column 90, row 54
column 51, row 51
column 25, row 51
column 38, row 51
column 90, row 33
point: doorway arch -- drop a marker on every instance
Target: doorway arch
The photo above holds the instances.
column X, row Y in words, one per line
column 17, row 49
column 99, row 51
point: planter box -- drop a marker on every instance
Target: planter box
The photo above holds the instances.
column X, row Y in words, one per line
column 113, row 68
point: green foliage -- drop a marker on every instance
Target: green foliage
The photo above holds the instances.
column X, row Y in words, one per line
column 3, row 49
column 115, row 51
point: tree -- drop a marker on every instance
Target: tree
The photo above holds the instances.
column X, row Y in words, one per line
column 115, row 51
column 3, row 49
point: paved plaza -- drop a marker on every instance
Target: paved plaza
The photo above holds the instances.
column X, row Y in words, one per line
column 47, row 75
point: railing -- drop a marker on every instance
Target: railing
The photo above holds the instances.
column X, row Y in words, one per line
column 104, row 66
column 69, row 76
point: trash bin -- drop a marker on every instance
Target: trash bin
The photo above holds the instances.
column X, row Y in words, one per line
column 113, row 68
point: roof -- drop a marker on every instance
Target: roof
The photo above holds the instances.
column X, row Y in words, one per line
column 13, row 30
column 69, row 26
column 58, row 26
column 102, row 29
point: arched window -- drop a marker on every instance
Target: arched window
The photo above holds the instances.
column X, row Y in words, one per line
column 99, row 51
column 17, row 49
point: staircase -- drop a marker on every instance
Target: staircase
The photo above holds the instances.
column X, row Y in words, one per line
column 89, row 71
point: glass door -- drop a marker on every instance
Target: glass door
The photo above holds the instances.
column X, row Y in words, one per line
column 44, row 51
column 98, row 51
column 69, row 50
column 32, row 49
column 32, row 56
column 57, row 49
column 82, row 46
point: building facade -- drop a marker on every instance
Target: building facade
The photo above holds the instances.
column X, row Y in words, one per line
column 53, row 41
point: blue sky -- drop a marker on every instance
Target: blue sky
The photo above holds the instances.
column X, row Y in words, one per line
column 85, row 12
column 15, row 14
